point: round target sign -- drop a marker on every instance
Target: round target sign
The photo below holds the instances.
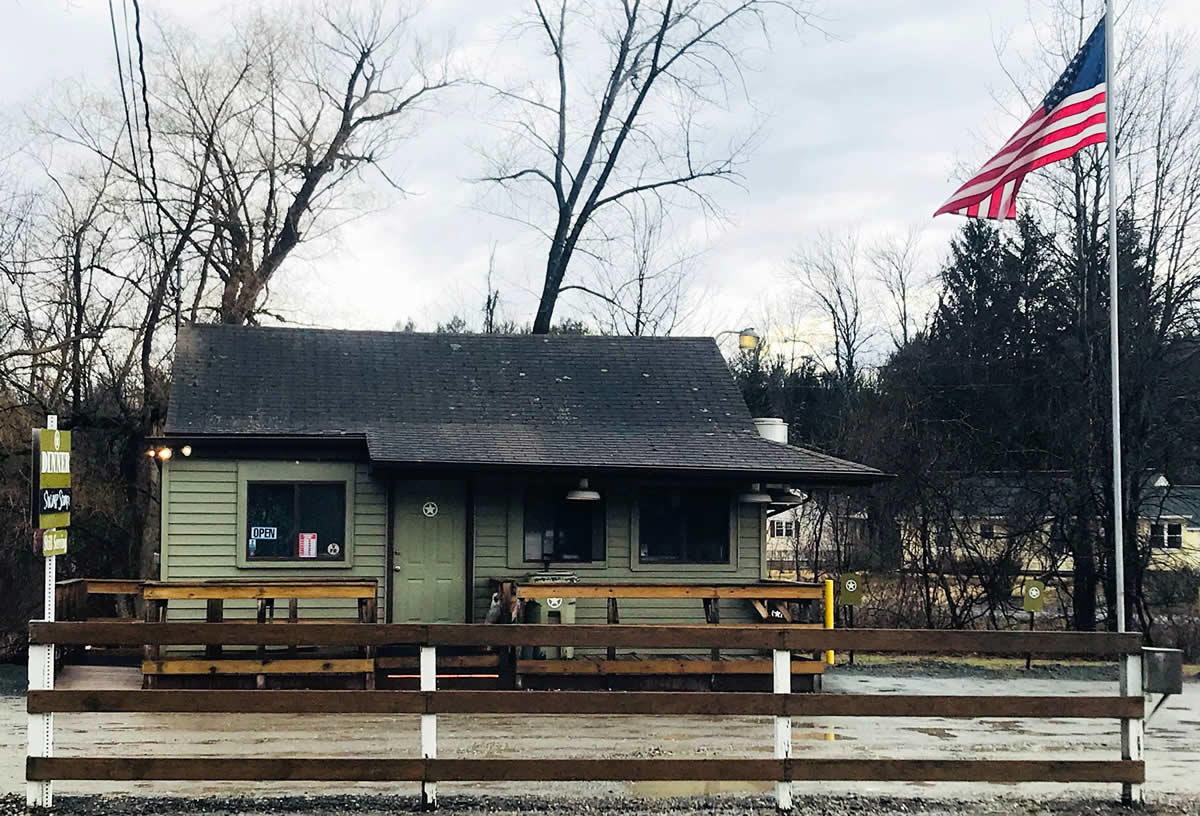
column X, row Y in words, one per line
column 429, row 509
column 333, row 549
column 554, row 603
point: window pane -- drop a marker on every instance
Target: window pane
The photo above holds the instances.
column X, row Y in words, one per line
column 322, row 511
column 574, row 533
column 684, row 525
column 707, row 522
column 1174, row 536
column 269, row 518
column 561, row 530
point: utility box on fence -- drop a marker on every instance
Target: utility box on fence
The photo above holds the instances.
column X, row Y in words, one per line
column 555, row 610
column 1162, row 670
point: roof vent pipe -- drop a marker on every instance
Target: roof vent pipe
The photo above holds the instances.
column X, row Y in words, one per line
column 772, row 428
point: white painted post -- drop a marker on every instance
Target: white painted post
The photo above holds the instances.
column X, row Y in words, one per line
column 782, row 665
column 41, row 726
column 1132, row 730
column 40, row 730
column 428, row 725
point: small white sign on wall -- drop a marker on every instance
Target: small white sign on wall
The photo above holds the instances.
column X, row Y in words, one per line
column 308, row 545
column 265, row 533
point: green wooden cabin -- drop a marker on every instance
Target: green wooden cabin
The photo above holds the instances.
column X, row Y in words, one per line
column 437, row 464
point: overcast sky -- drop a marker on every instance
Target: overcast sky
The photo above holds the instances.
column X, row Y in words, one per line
column 865, row 129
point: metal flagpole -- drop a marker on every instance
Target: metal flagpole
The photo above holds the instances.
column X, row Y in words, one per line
column 1130, row 683
column 1113, row 326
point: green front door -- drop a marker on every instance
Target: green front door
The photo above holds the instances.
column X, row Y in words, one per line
column 430, row 558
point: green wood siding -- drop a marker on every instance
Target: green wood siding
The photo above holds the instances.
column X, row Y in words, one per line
column 201, row 540
column 201, row 536
column 493, row 559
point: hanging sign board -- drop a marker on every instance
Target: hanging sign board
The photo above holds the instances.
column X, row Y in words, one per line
column 851, row 588
column 51, row 498
column 1033, row 596
column 54, row 542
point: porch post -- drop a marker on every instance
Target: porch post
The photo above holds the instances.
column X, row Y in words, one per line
column 829, row 616
column 782, row 671
column 428, row 725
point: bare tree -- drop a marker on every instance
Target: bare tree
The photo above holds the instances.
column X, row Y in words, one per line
column 896, row 260
column 829, row 271
column 575, row 152
column 642, row 286
column 253, row 140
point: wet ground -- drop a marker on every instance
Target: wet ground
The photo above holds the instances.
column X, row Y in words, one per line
column 1172, row 750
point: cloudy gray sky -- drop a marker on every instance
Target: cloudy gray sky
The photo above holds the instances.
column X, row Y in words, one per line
column 865, row 128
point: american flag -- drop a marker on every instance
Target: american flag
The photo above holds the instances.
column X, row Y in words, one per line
column 1071, row 117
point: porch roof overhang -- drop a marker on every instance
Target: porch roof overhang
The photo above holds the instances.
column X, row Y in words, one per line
column 459, row 450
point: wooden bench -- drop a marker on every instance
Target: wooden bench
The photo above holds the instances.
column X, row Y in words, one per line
column 159, row 594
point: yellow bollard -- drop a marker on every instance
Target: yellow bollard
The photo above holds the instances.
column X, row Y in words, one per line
column 829, row 616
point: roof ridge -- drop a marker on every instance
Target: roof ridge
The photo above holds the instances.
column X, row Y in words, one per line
column 471, row 335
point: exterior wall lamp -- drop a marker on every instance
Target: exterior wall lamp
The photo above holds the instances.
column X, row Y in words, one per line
column 754, row 495
column 163, row 453
column 583, row 493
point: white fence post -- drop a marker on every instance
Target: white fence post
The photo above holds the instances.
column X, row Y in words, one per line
column 41, row 726
column 428, row 725
column 782, row 665
column 1132, row 730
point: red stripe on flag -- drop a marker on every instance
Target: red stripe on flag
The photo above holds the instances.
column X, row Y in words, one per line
column 983, row 195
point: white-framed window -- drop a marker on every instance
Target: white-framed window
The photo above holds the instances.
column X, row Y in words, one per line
column 1168, row 536
column 782, row 528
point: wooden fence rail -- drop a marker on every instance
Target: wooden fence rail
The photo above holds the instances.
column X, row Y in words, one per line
column 44, row 701
column 686, row 636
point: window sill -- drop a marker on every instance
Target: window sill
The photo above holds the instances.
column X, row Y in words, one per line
column 246, row 563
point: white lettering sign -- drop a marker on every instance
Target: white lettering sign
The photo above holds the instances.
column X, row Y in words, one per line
column 56, row 462
column 265, row 533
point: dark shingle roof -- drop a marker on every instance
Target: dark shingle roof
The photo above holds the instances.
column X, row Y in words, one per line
column 1176, row 501
column 549, row 401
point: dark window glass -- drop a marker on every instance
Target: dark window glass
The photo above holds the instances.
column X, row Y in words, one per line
column 1174, row 536
column 684, row 526
column 561, row 530
column 986, row 530
column 303, row 521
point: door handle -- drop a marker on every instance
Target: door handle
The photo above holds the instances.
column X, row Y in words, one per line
column 396, row 569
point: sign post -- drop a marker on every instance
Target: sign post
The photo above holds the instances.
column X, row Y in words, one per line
column 850, row 590
column 1033, row 598
column 50, row 516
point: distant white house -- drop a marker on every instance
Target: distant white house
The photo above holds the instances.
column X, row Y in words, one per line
column 818, row 536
